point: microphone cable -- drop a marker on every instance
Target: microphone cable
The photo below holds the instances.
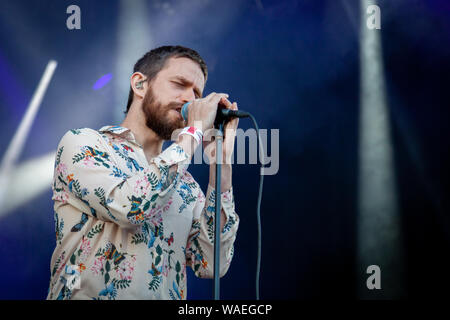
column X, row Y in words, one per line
column 258, row 207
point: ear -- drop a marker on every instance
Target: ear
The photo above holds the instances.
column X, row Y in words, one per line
column 138, row 82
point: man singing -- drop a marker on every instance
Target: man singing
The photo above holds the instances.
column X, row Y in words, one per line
column 129, row 217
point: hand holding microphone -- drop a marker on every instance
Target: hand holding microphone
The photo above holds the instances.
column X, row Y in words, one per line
column 206, row 112
column 201, row 113
column 199, row 117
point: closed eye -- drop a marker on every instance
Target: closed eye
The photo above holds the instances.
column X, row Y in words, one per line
column 179, row 84
column 182, row 85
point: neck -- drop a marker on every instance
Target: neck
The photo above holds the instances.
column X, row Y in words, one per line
column 150, row 141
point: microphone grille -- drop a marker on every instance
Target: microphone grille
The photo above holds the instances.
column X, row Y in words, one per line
column 184, row 111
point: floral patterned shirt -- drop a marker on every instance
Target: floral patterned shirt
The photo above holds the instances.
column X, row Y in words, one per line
column 126, row 228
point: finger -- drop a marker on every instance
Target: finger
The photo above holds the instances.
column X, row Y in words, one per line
column 226, row 103
column 230, row 135
column 209, row 96
column 215, row 96
column 232, row 124
column 214, row 100
column 231, row 127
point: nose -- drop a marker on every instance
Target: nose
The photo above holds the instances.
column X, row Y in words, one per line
column 187, row 95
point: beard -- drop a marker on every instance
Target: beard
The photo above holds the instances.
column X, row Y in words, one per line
column 158, row 118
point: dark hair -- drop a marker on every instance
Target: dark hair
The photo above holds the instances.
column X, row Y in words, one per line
column 154, row 61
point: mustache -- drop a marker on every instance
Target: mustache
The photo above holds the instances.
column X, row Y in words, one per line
column 175, row 105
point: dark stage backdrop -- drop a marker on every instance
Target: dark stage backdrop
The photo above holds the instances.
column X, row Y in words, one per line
column 296, row 66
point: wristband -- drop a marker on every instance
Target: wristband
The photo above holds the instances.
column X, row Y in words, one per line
column 193, row 131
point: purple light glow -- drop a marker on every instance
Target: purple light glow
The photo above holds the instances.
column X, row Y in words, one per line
column 102, row 81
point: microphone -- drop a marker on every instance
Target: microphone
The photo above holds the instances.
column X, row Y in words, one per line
column 223, row 114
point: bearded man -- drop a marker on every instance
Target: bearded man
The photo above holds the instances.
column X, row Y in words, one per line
column 129, row 217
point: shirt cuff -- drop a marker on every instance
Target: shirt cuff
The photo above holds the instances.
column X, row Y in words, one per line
column 226, row 200
column 173, row 154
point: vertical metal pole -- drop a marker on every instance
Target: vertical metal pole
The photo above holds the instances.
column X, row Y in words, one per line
column 219, row 141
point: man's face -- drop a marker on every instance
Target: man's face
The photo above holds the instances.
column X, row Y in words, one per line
column 180, row 81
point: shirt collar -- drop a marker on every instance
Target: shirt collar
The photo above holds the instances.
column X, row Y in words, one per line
column 121, row 131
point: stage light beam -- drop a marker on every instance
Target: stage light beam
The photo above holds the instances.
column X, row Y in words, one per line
column 379, row 240
column 17, row 143
column 134, row 39
column 27, row 181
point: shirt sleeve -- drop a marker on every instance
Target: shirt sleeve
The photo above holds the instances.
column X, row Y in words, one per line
column 94, row 183
column 200, row 245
